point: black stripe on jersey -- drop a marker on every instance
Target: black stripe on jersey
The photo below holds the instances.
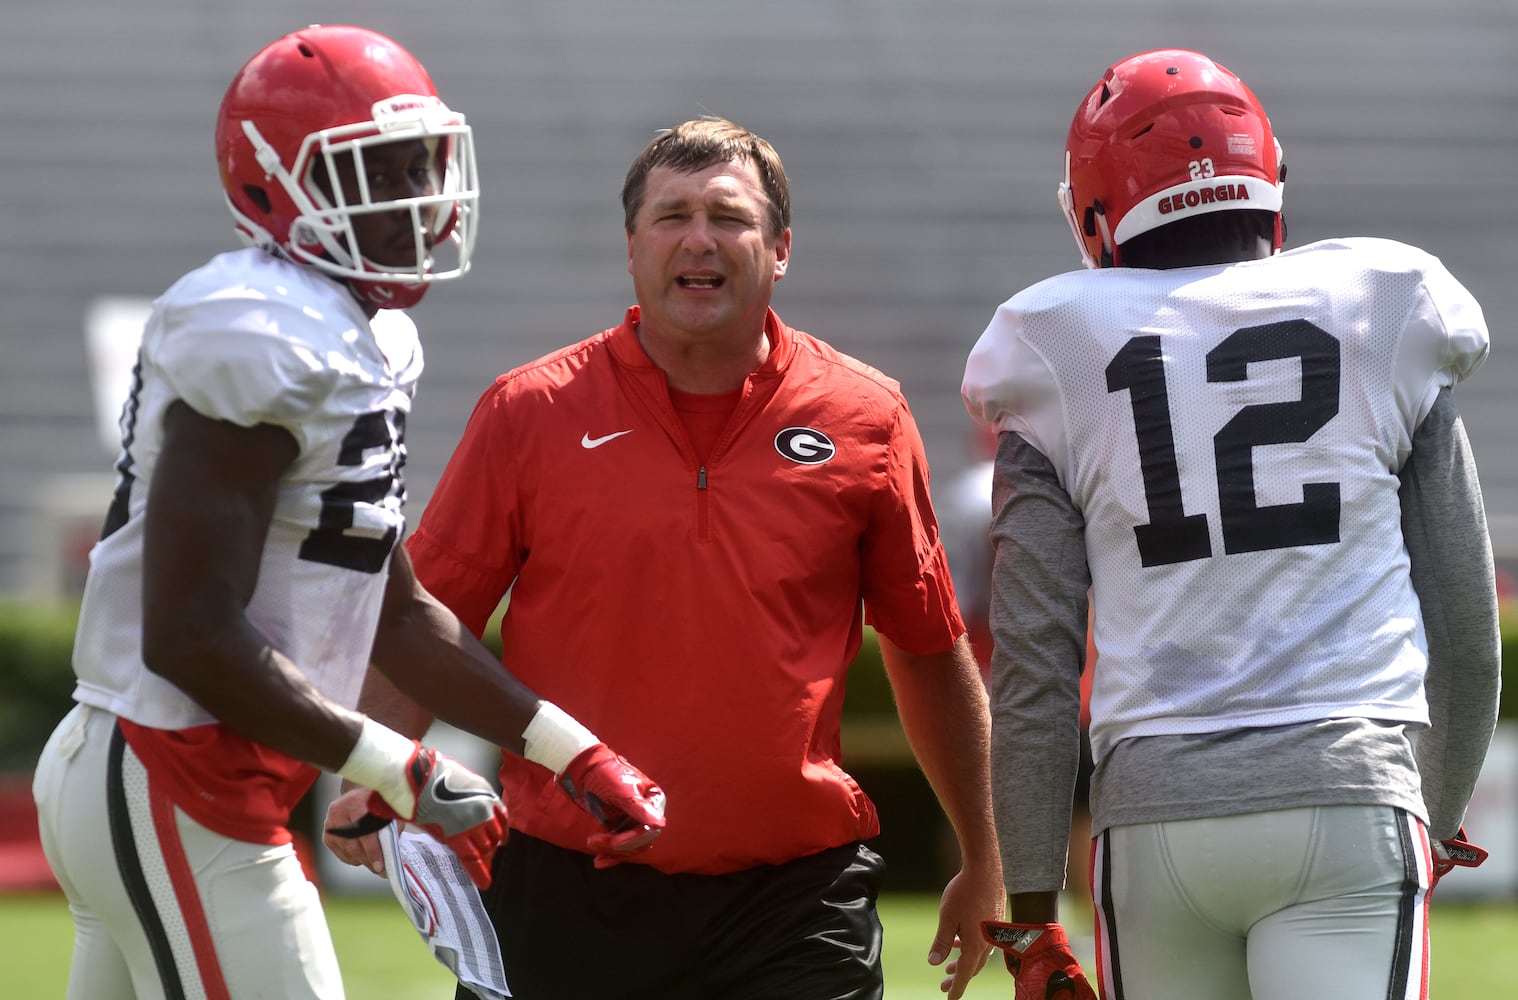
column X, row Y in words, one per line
column 129, row 866
column 120, row 507
column 116, row 515
column 1402, row 952
column 1109, row 912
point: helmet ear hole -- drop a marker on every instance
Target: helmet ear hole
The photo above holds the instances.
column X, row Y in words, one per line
column 258, row 196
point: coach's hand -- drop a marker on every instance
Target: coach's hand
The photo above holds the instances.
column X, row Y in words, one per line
column 621, row 798
column 974, row 894
column 345, row 811
column 1040, row 960
column 448, row 801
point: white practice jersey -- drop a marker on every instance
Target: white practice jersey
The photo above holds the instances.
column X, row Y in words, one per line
column 1232, row 437
column 252, row 339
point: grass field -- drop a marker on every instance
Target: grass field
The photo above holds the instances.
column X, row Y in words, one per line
column 1475, row 951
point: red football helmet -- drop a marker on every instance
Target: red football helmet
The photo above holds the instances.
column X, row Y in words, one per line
column 320, row 97
column 1165, row 135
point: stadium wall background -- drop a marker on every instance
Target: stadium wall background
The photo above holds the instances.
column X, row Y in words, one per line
column 923, row 140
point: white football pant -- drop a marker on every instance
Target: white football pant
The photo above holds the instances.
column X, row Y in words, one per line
column 1283, row 905
column 163, row 908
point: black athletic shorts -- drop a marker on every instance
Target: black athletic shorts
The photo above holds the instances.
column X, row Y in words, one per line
column 803, row 930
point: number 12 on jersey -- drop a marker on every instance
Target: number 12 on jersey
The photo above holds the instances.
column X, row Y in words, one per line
column 1173, row 536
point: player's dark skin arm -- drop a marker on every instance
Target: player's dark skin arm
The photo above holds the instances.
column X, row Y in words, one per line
column 210, row 505
column 1033, row 908
column 422, row 652
column 427, row 655
column 214, row 492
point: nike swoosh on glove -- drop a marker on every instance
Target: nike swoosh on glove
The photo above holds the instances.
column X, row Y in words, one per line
column 1039, row 958
column 620, row 797
column 453, row 804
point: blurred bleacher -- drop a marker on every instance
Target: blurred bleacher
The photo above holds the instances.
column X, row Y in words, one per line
column 923, row 139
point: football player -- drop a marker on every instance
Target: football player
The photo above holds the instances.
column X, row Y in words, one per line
column 1254, row 460
column 249, row 570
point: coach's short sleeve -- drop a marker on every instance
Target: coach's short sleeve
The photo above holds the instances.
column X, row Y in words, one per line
column 908, row 589
column 467, row 549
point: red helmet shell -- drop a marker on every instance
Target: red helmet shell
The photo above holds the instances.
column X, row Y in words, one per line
column 1165, row 135
column 276, row 123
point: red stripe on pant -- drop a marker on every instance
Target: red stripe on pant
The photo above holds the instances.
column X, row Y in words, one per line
column 187, row 895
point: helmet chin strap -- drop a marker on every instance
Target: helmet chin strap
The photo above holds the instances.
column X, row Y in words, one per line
column 1109, row 248
column 372, row 294
column 387, row 294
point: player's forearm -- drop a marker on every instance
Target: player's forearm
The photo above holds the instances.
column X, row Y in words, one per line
column 383, row 702
column 1033, row 907
column 433, row 660
column 1032, row 794
column 1450, row 557
column 257, row 692
column 435, row 667
column 1038, row 621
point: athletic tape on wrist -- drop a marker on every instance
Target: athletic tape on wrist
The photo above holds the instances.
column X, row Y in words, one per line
column 378, row 761
column 554, row 738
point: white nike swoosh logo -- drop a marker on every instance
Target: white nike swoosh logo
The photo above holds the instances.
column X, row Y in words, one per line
column 589, row 442
column 447, row 793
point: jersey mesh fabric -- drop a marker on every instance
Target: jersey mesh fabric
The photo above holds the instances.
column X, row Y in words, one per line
column 1245, row 446
column 251, row 339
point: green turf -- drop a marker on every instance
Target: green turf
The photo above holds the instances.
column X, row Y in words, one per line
column 1474, row 952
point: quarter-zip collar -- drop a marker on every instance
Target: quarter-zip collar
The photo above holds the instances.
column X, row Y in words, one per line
column 628, row 351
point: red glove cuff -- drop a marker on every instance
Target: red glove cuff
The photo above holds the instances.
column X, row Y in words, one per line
column 1040, row 960
column 1456, row 852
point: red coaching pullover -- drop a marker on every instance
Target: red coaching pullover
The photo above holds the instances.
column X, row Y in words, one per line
column 699, row 619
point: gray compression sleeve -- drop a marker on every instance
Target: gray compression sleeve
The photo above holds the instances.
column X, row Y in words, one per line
column 1444, row 524
column 1040, row 580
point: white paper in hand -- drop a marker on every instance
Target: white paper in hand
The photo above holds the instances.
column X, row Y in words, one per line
column 445, row 909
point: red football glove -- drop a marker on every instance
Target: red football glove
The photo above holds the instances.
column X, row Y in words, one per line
column 620, row 797
column 1454, row 853
column 1039, row 958
column 453, row 804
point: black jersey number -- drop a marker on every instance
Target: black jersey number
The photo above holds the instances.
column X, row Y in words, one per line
column 1172, row 536
column 330, row 541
